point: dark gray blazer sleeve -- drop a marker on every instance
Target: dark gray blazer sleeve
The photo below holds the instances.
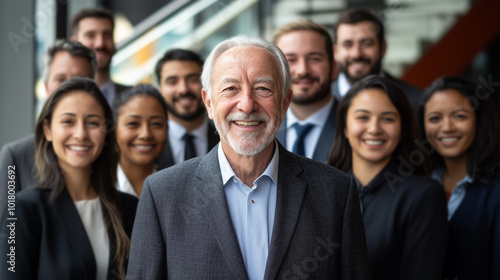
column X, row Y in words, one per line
column 147, row 252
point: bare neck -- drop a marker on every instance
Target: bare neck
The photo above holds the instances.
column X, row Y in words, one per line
column 304, row 111
column 456, row 170
column 136, row 174
column 79, row 185
column 101, row 77
column 366, row 171
column 248, row 168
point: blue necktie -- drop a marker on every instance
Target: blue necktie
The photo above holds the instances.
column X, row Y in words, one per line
column 302, row 131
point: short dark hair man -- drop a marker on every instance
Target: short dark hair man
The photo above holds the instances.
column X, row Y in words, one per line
column 359, row 49
column 249, row 209
column 94, row 28
column 190, row 133
column 309, row 126
column 63, row 60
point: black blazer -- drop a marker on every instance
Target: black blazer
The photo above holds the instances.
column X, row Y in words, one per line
column 50, row 239
column 166, row 159
column 405, row 218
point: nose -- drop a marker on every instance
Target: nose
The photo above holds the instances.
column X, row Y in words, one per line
column 144, row 132
column 448, row 125
column 80, row 131
column 356, row 51
column 99, row 41
column 182, row 87
column 374, row 126
column 246, row 102
column 301, row 67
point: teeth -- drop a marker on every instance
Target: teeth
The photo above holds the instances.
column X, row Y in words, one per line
column 246, row 123
column 374, row 142
column 79, row 148
column 143, row 147
column 449, row 139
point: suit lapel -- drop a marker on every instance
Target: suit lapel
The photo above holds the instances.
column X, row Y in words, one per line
column 74, row 230
column 325, row 140
column 216, row 212
column 166, row 159
column 289, row 198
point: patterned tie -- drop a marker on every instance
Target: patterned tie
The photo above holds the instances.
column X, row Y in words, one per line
column 302, row 131
column 189, row 150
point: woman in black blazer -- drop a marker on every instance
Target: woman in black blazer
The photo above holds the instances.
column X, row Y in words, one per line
column 74, row 225
column 404, row 214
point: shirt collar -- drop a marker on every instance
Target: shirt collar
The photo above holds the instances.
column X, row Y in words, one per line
column 437, row 175
column 178, row 131
column 344, row 85
column 228, row 173
column 318, row 119
column 123, row 183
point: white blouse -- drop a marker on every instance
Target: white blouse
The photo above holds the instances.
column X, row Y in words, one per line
column 93, row 221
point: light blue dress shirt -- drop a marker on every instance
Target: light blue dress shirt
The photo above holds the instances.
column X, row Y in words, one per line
column 252, row 212
column 458, row 194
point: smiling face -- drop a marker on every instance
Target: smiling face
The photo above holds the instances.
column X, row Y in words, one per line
column 309, row 65
column 180, row 85
column 246, row 103
column 450, row 123
column 77, row 130
column 358, row 51
column 97, row 35
column 141, row 131
column 373, row 127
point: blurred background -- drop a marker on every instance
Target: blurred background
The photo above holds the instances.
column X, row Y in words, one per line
column 426, row 39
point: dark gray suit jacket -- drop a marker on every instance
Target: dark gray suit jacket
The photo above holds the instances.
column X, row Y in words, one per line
column 325, row 139
column 20, row 155
column 166, row 159
column 413, row 93
column 183, row 228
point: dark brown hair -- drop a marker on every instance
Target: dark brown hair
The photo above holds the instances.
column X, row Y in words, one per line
column 104, row 167
column 98, row 12
column 357, row 15
column 341, row 153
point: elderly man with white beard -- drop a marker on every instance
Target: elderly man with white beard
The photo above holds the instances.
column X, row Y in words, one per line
column 249, row 209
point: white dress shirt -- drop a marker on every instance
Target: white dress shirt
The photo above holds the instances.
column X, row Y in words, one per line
column 252, row 212
column 311, row 140
column 91, row 214
column 176, row 133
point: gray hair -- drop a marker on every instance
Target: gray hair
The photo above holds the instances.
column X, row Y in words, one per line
column 72, row 47
column 241, row 40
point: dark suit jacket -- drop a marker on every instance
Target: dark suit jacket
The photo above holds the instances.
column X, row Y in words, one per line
column 119, row 88
column 413, row 93
column 166, row 159
column 325, row 139
column 20, row 155
column 50, row 239
column 183, row 228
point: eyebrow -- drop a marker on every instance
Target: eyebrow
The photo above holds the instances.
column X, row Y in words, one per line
column 267, row 80
column 383, row 113
column 187, row 76
column 74, row 115
column 453, row 112
column 138, row 116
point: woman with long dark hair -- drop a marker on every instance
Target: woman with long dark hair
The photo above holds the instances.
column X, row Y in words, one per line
column 74, row 224
column 459, row 122
column 141, row 120
column 404, row 214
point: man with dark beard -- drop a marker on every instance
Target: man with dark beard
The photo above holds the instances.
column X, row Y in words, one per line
column 94, row 29
column 190, row 133
column 309, row 126
column 359, row 48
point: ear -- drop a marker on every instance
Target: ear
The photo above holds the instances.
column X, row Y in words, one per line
column 47, row 131
column 73, row 38
column 208, row 103
column 384, row 48
column 47, row 93
column 286, row 103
